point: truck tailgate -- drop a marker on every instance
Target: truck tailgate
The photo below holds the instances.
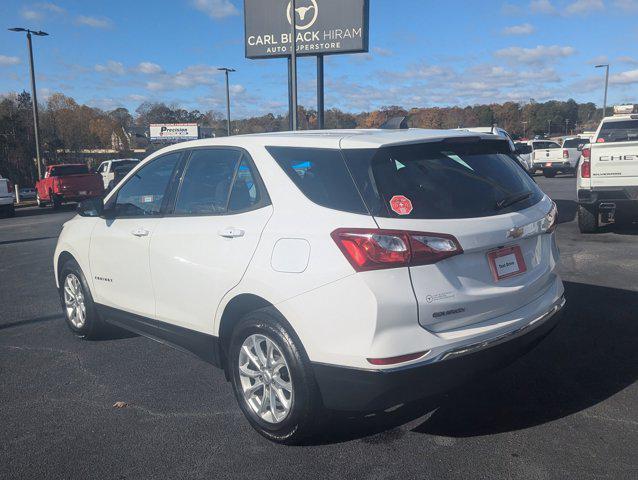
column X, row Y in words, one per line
column 89, row 184
column 614, row 164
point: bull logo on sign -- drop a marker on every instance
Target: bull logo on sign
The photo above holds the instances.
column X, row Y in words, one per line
column 307, row 14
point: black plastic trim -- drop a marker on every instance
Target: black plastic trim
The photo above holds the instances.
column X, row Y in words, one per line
column 202, row 345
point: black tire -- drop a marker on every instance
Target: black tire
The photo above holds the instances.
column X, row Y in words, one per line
column 93, row 327
column 549, row 173
column 306, row 408
column 56, row 201
column 11, row 211
column 587, row 219
column 41, row 203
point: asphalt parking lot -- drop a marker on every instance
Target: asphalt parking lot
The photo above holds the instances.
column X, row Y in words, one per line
column 569, row 409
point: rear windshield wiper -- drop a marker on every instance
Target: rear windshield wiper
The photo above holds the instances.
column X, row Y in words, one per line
column 512, row 199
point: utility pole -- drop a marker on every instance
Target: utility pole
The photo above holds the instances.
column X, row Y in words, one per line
column 566, row 125
column 549, row 128
column 227, row 71
column 606, row 65
column 320, row 94
column 524, row 129
column 34, row 96
column 293, row 69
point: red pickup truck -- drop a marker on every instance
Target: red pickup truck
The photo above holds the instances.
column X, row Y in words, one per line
column 68, row 183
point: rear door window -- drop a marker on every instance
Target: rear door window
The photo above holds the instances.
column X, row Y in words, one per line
column 321, row 175
column 545, row 145
column 442, row 180
column 619, row 131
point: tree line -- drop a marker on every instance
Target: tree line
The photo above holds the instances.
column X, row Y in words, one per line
column 67, row 126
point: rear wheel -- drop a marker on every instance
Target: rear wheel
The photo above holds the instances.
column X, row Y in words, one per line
column 549, row 173
column 272, row 378
column 56, row 200
column 79, row 309
column 587, row 219
column 11, row 211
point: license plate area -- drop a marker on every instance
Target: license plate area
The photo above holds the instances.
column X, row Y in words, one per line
column 506, row 262
column 548, row 164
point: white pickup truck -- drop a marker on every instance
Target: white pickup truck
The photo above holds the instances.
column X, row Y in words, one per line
column 6, row 198
column 107, row 169
column 551, row 158
column 607, row 180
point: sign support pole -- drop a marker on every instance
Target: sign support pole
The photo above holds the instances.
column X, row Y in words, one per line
column 293, row 70
column 290, row 110
column 320, row 93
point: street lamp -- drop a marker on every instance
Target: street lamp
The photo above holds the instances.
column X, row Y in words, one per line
column 34, row 97
column 566, row 125
column 606, row 65
column 549, row 128
column 524, row 129
column 227, row 71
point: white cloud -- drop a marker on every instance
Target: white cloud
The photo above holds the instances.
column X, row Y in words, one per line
column 39, row 11
column 536, row 55
column 237, row 89
column 94, row 22
column 110, row 67
column 189, row 77
column 382, row 52
column 6, row 61
column 542, row 6
column 216, row 9
column 627, row 5
column 630, row 76
column 628, row 59
column 148, row 68
column 522, row 29
column 580, row 7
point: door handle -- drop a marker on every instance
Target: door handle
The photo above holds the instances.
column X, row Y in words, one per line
column 140, row 232
column 231, row 232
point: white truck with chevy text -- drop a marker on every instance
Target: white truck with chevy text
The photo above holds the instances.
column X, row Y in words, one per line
column 608, row 174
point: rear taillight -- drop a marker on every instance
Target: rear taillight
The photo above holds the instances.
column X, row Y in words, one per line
column 585, row 169
column 375, row 249
column 586, row 153
column 550, row 222
column 565, row 153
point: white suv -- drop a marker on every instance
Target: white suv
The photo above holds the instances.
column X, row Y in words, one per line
column 351, row 270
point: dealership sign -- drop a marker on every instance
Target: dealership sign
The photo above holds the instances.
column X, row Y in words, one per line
column 173, row 132
column 323, row 27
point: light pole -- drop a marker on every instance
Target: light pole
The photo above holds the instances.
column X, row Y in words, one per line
column 524, row 129
column 34, row 97
column 293, row 58
column 606, row 65
column 566, row 125
column 549, row 128
column 227, row 71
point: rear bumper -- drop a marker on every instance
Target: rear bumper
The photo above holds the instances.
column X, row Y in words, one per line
column 356, row 389
column 626, row 197
column 555, row 166
column 75, row 197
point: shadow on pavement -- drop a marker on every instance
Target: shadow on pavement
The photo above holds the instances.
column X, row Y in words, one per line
column 566, row 210
column 19, row 323
column 589, row 357
column 23, row 240
column 31, row 211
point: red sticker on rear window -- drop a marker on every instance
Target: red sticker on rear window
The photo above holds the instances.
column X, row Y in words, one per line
column 401, row 205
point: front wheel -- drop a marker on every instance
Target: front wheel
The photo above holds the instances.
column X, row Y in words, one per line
column 41, row 203
column 79, row 309
column 272, row 378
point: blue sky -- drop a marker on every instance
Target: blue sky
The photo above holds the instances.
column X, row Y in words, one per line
column 422, row 53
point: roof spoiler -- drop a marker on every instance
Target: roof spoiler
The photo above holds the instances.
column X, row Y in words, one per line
column 395, row 123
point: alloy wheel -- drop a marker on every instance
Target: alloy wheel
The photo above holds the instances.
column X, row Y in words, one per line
column 74, row 301
column 265, row 379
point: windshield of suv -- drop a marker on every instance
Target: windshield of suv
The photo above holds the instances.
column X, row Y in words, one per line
column 619, row 131
column 443, row 180
column 64, row 170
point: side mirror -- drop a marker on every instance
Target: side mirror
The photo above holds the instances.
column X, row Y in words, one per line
column 92, row 207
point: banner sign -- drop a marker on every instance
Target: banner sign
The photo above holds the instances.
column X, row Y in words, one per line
column 323, row 27
column 172, row 132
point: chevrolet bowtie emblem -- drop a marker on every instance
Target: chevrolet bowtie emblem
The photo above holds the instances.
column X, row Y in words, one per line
column 516, row 232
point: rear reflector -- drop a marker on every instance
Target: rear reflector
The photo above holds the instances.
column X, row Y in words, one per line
column 377, row 249
column 395, row 360
column 565, row 153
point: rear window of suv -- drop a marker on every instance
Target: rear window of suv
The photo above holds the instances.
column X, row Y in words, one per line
column 442, row 180
column 619, row 131
column 321, row 175
column 62, row 171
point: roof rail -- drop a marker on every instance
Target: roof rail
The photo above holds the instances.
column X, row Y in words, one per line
column 396, row 123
